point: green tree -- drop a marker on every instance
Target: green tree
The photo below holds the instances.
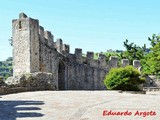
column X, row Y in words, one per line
column 151, row 62
column 6, row 69
column 154, row 40
column 9, row 59
column 133, row 52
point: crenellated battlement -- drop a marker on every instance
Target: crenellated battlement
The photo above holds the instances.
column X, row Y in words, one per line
column 101, row 62
column 90, row 58
column 36, row 50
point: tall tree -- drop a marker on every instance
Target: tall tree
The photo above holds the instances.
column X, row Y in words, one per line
column 154, row 40
column 151, row 62
column 133, row 52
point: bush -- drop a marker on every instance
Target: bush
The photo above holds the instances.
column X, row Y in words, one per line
column 127, row 78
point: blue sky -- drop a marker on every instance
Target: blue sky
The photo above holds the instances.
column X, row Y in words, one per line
column 93, row 25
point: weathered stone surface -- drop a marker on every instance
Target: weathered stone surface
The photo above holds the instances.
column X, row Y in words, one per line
column 78, row 55
column 102, row 60
column 13, row 80
column 12, row 89
column 66, row 49
column 125, row 62
column 22, row 15
column 90, row 57
column 136, row 63
column 113, row 61
column 34, row 81
column 25, row 46
column 59, row 45
column 152, row 81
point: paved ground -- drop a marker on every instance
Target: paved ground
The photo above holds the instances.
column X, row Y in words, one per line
column 78, row 105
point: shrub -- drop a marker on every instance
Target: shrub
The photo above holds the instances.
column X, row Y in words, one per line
column 127, row 78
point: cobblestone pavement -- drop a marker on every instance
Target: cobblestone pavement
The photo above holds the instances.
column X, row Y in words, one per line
column 79, row 105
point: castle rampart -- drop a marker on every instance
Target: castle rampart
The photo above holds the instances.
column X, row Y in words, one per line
column 34, row 50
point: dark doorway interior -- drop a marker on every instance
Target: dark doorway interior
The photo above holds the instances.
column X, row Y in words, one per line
column 61, row 76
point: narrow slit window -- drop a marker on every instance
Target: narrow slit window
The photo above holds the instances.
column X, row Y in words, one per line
column 20, row 25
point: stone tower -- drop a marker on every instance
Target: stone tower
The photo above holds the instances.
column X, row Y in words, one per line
column 25, row 45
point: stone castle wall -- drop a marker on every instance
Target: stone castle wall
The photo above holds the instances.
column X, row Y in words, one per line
column 34, row 50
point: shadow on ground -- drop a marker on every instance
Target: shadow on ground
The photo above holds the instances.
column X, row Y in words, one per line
column 10, row 110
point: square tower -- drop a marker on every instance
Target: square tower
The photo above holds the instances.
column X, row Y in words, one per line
column 25, row 35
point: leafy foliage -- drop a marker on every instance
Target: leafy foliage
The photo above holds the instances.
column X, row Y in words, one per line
column 133, row 52
column 108, row 54
column 127, row 78
column 9, row 59
column 151, row 62
column 6, row 69
column 154, row 40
